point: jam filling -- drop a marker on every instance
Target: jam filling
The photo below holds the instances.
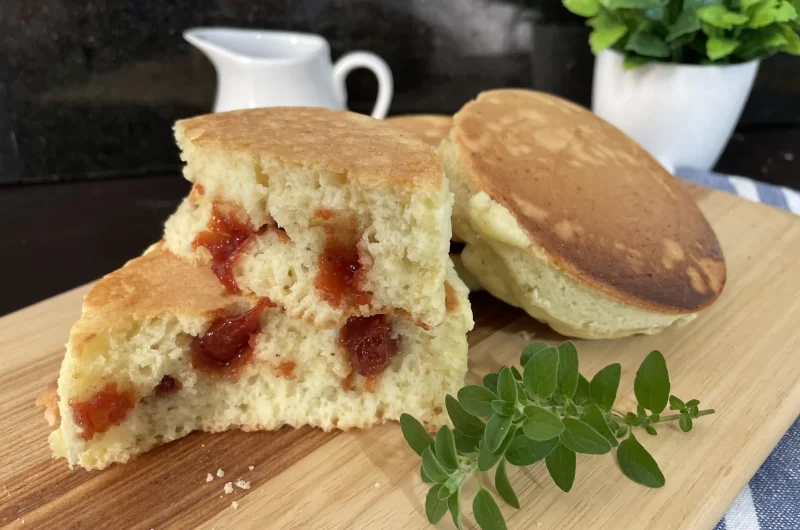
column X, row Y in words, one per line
column 167, row 386
column 226, row 239
column 286, row 369
column 226, row 346
column 370, row 343
column 343, row 268
column 105, row 409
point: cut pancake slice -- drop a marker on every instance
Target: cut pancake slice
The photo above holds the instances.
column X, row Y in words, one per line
column 566, row 217
column 329, row 213
column 162, row 349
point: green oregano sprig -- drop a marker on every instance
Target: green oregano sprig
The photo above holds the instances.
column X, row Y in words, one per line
column 548, row 412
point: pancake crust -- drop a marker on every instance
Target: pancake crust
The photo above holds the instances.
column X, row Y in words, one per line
column 599, row 205
column 432, row 128
column 363, row 148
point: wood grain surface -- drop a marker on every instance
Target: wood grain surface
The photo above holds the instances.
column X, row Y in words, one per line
column 740, row 357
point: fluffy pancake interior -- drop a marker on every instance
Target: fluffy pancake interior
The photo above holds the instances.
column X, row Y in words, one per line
column 135, row 331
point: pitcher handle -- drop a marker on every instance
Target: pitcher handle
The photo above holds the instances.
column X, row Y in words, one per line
column 353, row 60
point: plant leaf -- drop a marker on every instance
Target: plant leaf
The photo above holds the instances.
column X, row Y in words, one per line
column 561, row 466
column 486, row 458
column 647, row 44
column 446, row 452
column 435, row 508
column 633, row 61
column 425, row 478
column 486, row 511
column 490, row 381
column 523, row 451
column 583, row 8
column 685, row 422
column 637, row 463
column 651, row 430
column 692, row 403
column 614, row 5
column 432, row 467
column 477, row 400
column 507, row 386
column 583, row 393
column 541, row 424
column 463, row 421
column 496, row 430
column 454, row 504
column 593, row 416
column 604, row 385
column 718, row 48
column 771, row 11
column 517, row 375
column 581, row 438
column 622, row 431
column 503, row 485
column 651, row 385
column 719, row 16
column 600, row 39
column 504, row 408
column 415, row 434
column 792, row 39
column 529, row 351
column 675, row 403
column 686, row 23
column 567, row 369
column 541, row 373
column 465, row 444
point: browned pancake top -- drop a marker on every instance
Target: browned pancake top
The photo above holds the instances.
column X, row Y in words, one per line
column 601, row 207
column 432, row 128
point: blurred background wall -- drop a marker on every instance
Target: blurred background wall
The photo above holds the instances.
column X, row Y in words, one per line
column 90, row 89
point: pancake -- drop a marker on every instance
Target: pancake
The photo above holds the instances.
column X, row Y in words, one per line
column 432, row 128
column 139, row 369
column 582, row 227
column 335, row 214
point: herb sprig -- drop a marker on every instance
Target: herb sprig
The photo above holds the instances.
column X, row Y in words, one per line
column 548, row 412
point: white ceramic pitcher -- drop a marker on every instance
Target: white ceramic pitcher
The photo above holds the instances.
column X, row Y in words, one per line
column 259, row 68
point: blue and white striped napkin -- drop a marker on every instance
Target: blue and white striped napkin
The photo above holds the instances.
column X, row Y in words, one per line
column 771, row 501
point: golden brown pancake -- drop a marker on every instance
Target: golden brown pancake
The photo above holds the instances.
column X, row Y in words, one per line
column 432, row 128
column 600, row 206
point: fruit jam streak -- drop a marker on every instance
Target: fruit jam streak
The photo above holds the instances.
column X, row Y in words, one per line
column 103, row 410
column 226, row 346
column 226, row 239
column 343, row 270
column 370, row 343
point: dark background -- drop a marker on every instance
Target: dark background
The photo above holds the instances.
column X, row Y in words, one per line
column 89, row 91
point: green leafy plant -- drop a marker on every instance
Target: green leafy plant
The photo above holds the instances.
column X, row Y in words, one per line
column 547, row 412
column 691, row 31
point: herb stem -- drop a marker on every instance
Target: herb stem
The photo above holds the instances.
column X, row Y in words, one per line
column 673, row 417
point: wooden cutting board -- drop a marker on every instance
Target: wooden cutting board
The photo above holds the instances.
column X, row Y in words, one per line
column 741, row 357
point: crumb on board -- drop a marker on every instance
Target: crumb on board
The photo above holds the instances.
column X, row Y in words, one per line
column 220, row 473
column 235, row 505
column 525, row 334
column 251, row 467
column 242, row 484
column 788, row 157
column 209, row 477
column 228, row 488
column 377, row 484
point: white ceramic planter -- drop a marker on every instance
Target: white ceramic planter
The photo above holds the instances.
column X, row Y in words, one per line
column 682, row 114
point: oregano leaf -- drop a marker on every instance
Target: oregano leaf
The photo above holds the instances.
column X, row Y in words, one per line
column 637, row 464
column 488, row 459
column 567, row 369
column 604, row 385
column 593, row 416
column 541, row 424
column 523, row 451
column 465, row 444
column 435, row 508
column 685, row 422
column 503, row 485
column 561, row 464
column 507, row 385
column 490, row 381
column 415, row 434
column 446, row 452
column 463, row 421
column 486, row 511
column 477, row 400
column 675, row 403
column 504, row 408
column 529, row 351
column 454, row 505
column 581, row 438
column 496, row 430
column 651, row 385
column 433, row 468
column 540, row 375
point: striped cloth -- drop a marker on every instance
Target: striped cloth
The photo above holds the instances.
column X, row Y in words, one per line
column 771, row 501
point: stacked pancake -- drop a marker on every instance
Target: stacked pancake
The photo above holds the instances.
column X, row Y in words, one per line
column 571, row 220
column 304, row 281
